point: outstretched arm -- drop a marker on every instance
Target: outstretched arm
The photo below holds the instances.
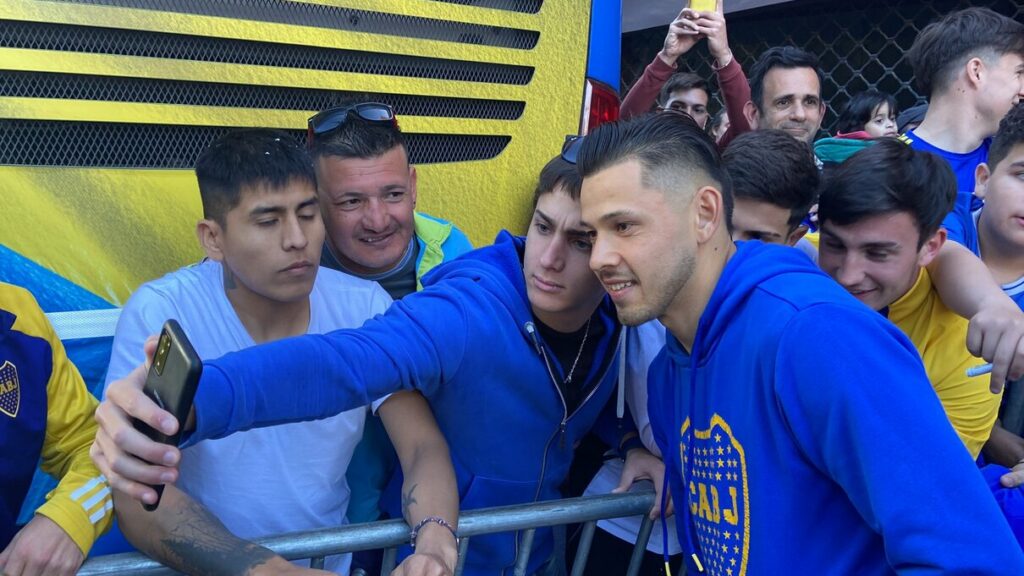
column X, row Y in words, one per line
column 428, row 489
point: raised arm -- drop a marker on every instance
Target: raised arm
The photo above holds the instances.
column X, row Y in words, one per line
column 735, row 90
column 642, row 96
column 429, row 494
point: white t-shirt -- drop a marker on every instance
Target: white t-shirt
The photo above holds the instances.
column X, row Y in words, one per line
column 643, row 343
column 269, row 480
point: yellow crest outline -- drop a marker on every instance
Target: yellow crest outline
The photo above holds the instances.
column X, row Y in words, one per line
column 16, row 390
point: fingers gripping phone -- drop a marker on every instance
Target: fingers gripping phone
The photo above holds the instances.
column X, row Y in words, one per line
column 171, row 383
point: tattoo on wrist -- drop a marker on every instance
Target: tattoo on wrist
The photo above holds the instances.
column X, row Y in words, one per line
column 200, row 544
column 407, row 501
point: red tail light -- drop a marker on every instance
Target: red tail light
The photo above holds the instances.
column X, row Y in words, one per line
column 600, row 105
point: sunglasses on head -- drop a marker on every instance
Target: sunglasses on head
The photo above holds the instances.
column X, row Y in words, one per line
column 571, row 148
column 333, row 118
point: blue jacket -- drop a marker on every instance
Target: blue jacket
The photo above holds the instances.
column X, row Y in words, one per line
column 811, row 440
column 467, row 342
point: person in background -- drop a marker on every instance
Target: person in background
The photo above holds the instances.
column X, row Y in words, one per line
column 368, row 190
column 868, row 115
column 683, row 34
column 970, row 65
column 45, row 418
column 719, row 125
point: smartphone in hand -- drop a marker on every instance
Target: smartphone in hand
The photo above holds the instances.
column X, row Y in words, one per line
column 171, row 383
column 702, row 5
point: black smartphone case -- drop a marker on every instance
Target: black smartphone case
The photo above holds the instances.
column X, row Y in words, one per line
column 173, row 387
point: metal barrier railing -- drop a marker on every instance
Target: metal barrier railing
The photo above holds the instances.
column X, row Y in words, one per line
column 390, row 534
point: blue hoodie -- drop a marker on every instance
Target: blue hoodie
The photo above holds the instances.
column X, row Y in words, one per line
column 467, row 342
column 811, row 439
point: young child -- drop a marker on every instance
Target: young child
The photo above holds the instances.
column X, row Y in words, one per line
column 868, row 115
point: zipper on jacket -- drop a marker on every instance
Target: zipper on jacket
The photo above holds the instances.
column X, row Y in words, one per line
column 561, row 431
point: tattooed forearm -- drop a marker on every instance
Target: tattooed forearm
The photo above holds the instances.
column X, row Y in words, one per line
column 407, row 501
column 199, row 543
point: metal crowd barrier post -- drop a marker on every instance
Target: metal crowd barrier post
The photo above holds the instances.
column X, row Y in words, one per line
column 390, row 534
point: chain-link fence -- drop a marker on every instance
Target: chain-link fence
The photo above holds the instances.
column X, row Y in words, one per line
column 861, row 44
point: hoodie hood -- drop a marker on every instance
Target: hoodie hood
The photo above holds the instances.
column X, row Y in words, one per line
column 499, row 267
column 754, row 264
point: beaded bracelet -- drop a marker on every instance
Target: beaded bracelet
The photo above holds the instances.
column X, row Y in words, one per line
column 436, row 520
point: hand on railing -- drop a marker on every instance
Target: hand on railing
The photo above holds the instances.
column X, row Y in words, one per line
column 642, row 465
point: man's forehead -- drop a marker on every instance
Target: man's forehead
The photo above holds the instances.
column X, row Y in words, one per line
column 688, row 95
column 868, row 232
column 787, row 78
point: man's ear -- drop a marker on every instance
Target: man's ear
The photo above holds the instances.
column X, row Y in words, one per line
column 931, row 247
column 751, row 114
column 211, row 237
column 796, row 235
column 981, row 177
column 709, row 212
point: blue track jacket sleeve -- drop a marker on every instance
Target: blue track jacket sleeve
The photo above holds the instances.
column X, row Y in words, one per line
column 888, row 443
column 417, row 344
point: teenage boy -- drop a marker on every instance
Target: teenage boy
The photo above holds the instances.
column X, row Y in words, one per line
column 881, row 213
column 514, row 346
column 687, row 92
column 262, row 234
column 970, row 64
column 786, row 433
column 995, row 233
column 45, row 420
column 774, row 183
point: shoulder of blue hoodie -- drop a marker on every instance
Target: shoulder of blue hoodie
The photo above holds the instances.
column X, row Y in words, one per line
column 419, row 343
column 846, row 382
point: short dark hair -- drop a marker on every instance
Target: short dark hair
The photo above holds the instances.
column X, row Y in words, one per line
column 889, row 177
column 861, row 109
column 558, row 173
column 945, row 45
column 771, row 166
column 358, row 138
column 659, row 142
column 717, row 120
column 781, row 57
column 681, row 81
column 248, row 157
column 1010, row 133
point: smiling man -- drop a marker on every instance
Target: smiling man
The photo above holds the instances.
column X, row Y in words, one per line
column 881, row 214
column 785, row 93
column 368, row 197
column 368, row 191
column 768, row 402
